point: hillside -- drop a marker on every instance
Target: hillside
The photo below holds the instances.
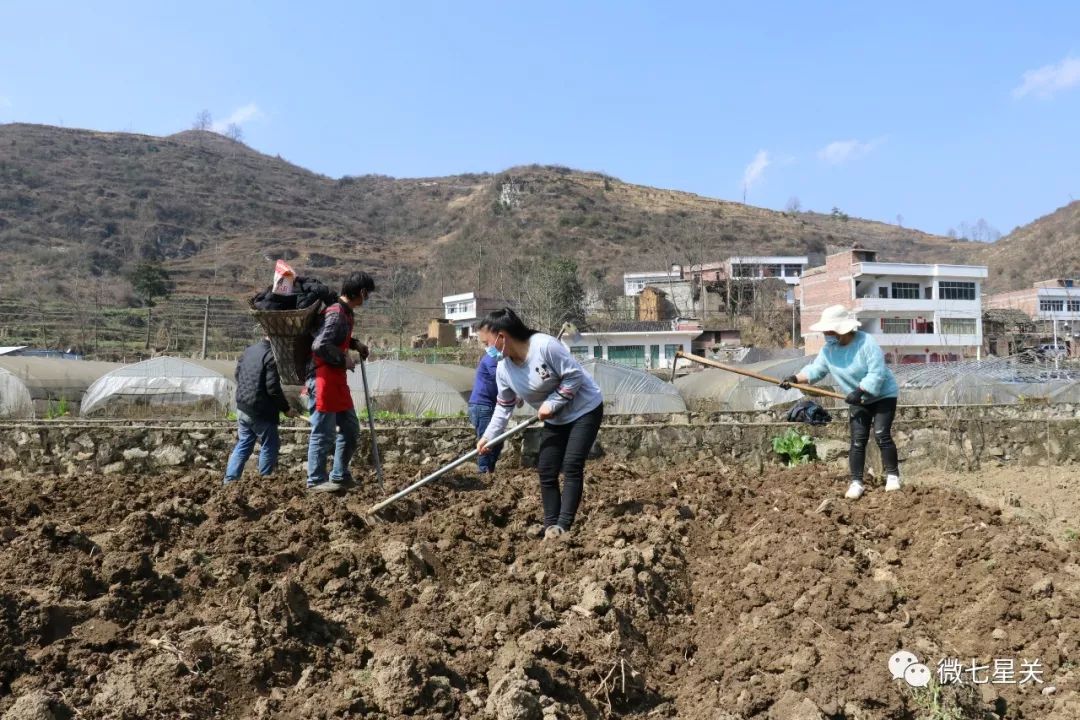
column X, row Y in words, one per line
column 199, row 200
column 78, row 208
column 1046, row 248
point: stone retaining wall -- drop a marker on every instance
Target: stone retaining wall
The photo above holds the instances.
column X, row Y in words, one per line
column 956, row 438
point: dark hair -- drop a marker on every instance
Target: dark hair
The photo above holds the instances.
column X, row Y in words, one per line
column 357, row 283
column 507, row 321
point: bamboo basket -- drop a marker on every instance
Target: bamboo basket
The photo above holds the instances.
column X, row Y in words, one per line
column 290, row 338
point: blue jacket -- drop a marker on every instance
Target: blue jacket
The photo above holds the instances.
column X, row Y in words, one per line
column 484, row 391
column 860, row 363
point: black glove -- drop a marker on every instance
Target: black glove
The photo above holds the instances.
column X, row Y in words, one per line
column 787, row 382
column 855, row 397
column 359, row 347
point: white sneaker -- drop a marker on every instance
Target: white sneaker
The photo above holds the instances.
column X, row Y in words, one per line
column 892, row 482
column 554, row 533
column 855, row 490
column 327, row 486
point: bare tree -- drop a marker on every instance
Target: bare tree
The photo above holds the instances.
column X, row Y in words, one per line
column 793, row 205
column 900, row 220
column 546, row 292
column 234, row 132
column 203, row 121
column 396, row 296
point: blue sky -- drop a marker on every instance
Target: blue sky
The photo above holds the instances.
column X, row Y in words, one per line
column 940, row 112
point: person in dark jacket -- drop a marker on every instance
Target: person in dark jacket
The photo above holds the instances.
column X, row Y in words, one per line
column 259, row 401
column 333, row 418
column 482, row 403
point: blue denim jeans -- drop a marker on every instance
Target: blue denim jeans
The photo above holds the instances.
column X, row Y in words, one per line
column 340, row 430
column 249, row 430
column 480, row 416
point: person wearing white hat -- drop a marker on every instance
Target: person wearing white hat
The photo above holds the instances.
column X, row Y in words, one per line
column 857, row 365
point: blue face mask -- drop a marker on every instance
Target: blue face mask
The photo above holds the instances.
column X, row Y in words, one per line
column 832, row 339
column 495, row 352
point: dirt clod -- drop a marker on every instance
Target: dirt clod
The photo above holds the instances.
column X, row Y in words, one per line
column 695, row 593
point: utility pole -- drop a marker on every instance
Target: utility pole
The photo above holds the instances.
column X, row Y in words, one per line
column 149, row 321
column 205, row 325
column 1057, row 366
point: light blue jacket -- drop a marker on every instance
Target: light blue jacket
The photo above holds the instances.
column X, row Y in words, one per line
column 859, row 364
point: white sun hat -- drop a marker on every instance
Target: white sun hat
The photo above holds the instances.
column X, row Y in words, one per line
column 837, row 319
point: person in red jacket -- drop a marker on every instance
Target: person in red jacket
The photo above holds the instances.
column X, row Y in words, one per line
column 328, row 388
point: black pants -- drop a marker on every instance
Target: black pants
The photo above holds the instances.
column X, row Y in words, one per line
column 880, row 416
column 564, row 448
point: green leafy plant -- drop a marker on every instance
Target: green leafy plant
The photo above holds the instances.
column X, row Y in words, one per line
column 937, row 702
column 795, row 448
column 1071, row 535
column 58, row 409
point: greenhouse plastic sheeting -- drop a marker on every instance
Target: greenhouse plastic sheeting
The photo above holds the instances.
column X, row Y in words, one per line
column 164, row 381
column 629, row 391
column 713, row 390
column 15, row 400
column 55, row 379
column 994, row 381
column 413, row 388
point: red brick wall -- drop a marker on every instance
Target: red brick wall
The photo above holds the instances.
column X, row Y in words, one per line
column 1026, row 300
column 820, row 290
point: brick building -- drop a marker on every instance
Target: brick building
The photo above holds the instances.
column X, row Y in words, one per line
column 1045, row 300
column 915, row 312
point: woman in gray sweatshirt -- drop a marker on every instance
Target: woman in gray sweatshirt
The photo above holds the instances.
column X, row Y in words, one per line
column 540, row 370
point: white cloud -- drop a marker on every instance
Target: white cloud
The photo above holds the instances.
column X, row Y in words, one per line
column 239, row 116
column 755, row 171
column 842, row 151
column 1045, row 81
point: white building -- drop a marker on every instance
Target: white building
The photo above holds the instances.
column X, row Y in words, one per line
column 788, row 268
column 1057, row 299
column 465, row 310
column 641, row 344
column 916, row 312
column 633, row 283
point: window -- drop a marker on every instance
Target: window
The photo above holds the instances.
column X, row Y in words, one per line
column 905, row 291
column 581, row 352
column 1051, row 305
column 598, row 352
column 670, row 350
column 632, row 355
column 883, row 292
column 950, row 290
column 895, row 326
column 1074, row 306
column 957, row 326
column 792, row 270
column 654, row 356
column 928, row 292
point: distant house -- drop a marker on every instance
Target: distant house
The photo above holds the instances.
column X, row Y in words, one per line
column 634, row 283
column 916, row 312
column 1045, row 300
column 465, row 310
column 1006, row 331
column 641, row 344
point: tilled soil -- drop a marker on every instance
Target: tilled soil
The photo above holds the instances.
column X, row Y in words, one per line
column 690, row 594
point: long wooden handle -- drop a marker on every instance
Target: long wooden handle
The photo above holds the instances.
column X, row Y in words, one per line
column 808, row 389
column 447, row 468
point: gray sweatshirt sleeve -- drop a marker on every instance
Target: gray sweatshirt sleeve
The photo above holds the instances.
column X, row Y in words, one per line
column 505, row 401
column 563, row 365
